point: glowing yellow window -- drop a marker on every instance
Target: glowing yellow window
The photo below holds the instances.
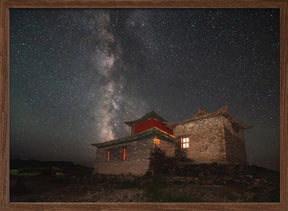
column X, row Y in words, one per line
column 156, row 141
column 185, row 143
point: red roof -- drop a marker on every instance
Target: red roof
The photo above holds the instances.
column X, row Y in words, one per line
column 150, row 115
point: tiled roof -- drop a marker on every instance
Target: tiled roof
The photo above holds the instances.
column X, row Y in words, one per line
column 205, row 115
column 138, row 137
column 150, row 115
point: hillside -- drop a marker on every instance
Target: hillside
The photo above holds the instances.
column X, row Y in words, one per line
column 33, row 181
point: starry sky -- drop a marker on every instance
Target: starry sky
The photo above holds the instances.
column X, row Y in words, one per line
column 77, row 74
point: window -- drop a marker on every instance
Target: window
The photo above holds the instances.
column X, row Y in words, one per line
column 184, row 143
column 124, row 151
column 156, row 141
column 107, row 155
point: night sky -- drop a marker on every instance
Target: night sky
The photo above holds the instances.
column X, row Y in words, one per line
column 76, row 75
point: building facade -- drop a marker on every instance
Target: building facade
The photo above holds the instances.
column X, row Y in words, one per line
column 205, row 138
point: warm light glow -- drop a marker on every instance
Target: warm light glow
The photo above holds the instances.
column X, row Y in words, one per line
column 124, row 153
column 184, row 143
column 156, row 140
column 107, row 155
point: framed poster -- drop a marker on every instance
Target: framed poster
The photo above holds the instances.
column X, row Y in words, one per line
column 187, row 78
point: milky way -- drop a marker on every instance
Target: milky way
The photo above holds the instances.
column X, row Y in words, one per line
column 76, row 75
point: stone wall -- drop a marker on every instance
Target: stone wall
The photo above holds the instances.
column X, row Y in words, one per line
column 206, row 140
column 137, row 160
column 213, row 140
column 167, row 147
column 234, row 143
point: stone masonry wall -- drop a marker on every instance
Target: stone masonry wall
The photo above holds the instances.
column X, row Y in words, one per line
column 206, row 140
column 137, row 160
column 235, row 144
column 167, row 147
column 137, row 157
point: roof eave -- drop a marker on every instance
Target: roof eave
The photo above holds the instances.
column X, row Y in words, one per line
column 146, row 134
column 150, row 115
column 129, row 123
column 95, row 145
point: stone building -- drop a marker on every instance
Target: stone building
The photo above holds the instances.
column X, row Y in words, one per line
column 205, row 138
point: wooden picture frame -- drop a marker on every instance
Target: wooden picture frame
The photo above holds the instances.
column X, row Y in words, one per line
column 4, row 80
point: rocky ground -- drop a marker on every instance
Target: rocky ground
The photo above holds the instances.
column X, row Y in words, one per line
column 197, row 183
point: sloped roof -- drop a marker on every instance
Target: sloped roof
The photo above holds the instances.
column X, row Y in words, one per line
column 205, row 115
column 150, row 115
column 139, row 136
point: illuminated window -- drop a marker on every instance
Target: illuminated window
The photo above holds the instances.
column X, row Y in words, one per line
column 124, row 151
column 156, row 141
column 185, row 143
column 107, row 155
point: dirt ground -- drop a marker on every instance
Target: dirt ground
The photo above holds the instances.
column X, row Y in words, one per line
column 35, row 181
column 145, row 189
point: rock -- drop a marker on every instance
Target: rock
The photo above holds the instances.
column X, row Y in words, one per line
column 191, row 179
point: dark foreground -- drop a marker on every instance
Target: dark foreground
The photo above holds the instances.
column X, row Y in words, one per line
column 34, row 181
